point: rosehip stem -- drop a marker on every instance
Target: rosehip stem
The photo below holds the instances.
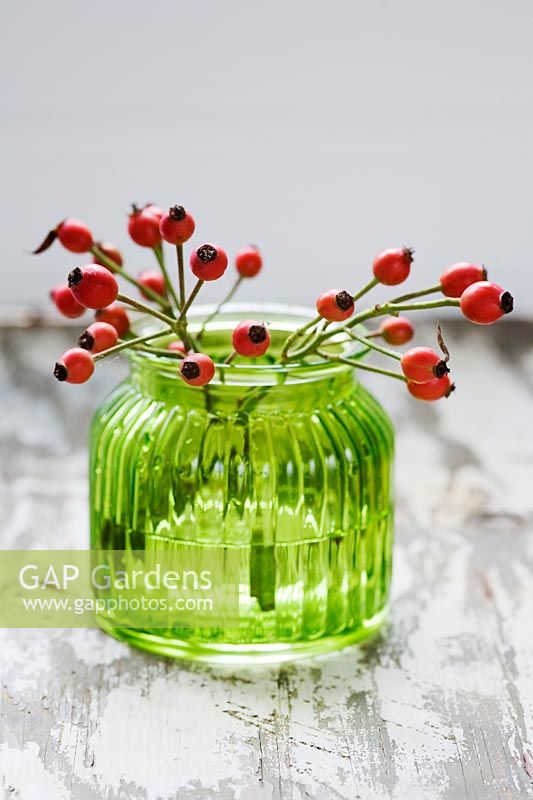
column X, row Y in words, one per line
column 384, row 309
column 420, row 293
column 132, row 343
column 114, row 267
column 181, row 275
column 230, row 358
column 218, row 309
column 158, row 252
column 366, row 288
column 123, row 298
column 358, row 365
column 296, row 334
column 300, row 332
column 190, row 301
column 159, row 351
column 384, row 350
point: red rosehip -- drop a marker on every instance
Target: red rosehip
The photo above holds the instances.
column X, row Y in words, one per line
column 176, row 225
column 422, row 364
column 177, row 346
column 335, row 305
column 432, row 390
column 251, row 338
column 197, row 369
column 66, row 303
column 110, row 251
column 74, row 366
column 248, row 262
column 484, row 302
column 459, row 277
column 75, row 236
column 397, row 330
column 115, row 315
column 143, row 227
column 393, row 266
column 93, row 286
column 154, row 280
column 98, row 336
column 208, row 262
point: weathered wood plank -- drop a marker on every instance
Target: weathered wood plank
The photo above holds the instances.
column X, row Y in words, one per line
column 439, row 706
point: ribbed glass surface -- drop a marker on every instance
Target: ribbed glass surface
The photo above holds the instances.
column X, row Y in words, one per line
column 292, row 467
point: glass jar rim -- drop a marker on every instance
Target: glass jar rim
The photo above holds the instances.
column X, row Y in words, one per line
column 288, row 318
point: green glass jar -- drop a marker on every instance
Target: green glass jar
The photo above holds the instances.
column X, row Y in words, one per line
column 287, row 466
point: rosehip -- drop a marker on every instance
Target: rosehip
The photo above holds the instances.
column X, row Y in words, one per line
column 208, row 262
column 459, row 277
column 251, row 338
column 422, row 364
column 74, row 366
column 432, row 390
column 397, row 330
column 66, row 303
column 98, row 336
column 143, row 227
column 93, row 286
column 484, row 302
column 335, row 305
column 393, row 266
column 197, row 369
column 154, row 280
column 75, row 236
column 110, row 251
column 176, row 225
column 115, row 315
column 177, row 346
column 248, row 262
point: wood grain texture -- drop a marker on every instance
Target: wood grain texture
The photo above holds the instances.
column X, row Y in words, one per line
column 439, row 706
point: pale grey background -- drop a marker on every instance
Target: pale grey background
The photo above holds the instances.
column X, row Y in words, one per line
column 321, row 131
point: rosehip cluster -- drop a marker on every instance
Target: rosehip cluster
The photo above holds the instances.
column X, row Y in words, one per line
column 95, row 286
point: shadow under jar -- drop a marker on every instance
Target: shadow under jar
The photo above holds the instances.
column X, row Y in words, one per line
column 287, row 466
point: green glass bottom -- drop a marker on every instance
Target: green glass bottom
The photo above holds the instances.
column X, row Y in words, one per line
column 244, row 654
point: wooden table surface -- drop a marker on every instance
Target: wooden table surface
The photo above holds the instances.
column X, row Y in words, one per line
column 439, row 706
